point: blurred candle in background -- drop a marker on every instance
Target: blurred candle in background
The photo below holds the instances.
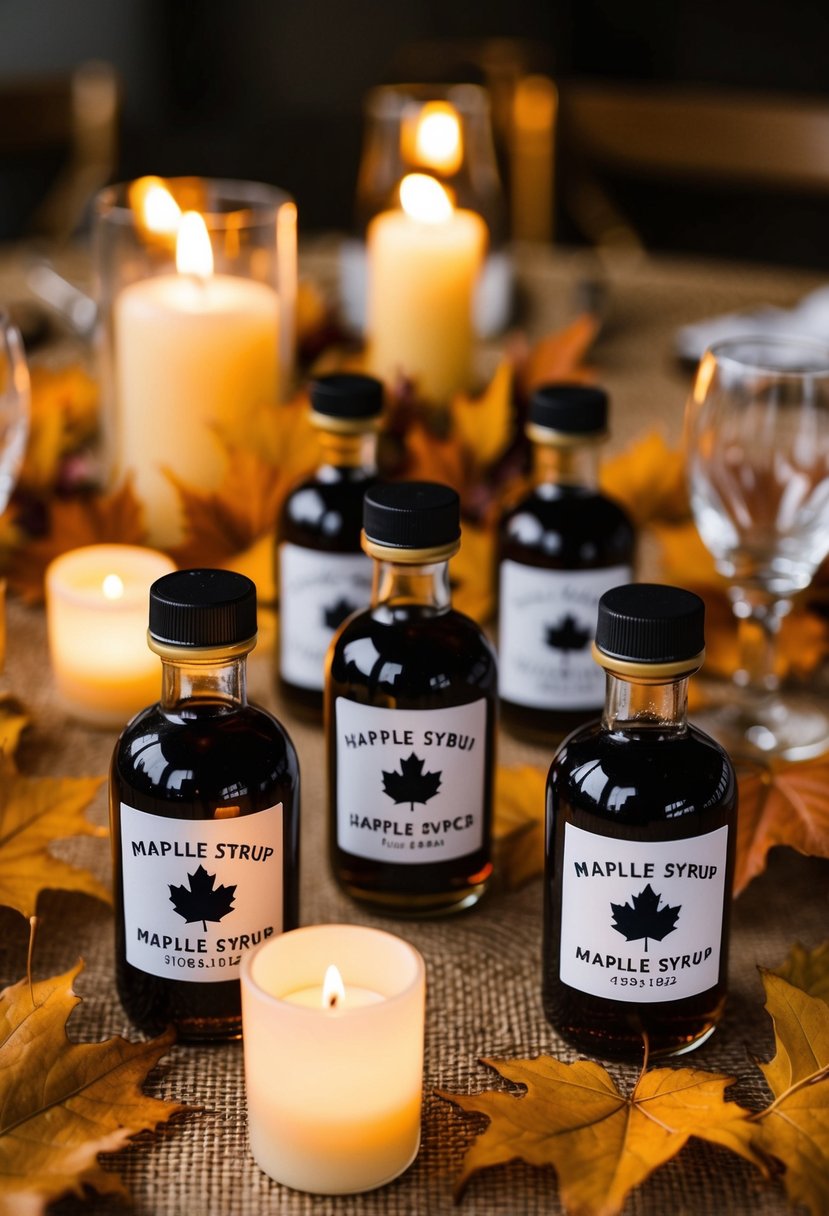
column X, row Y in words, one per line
column 424, row 260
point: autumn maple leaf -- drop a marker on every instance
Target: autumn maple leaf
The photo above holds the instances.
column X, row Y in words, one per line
column 411, row 784
column 780, row 804
column 200, row 901
column 66, row 1102
column 601, row 1142
column 642, row 917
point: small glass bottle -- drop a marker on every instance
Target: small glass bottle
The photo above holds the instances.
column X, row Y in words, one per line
column 560, row 548
column 323, row 574
column 411, row 709
column 641, row 827
column 204, row 816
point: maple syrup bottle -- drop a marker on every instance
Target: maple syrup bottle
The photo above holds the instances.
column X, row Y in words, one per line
column 323, row 574
column 204, row 816
column 641, row 823
column 560, row 548
column 411, row 708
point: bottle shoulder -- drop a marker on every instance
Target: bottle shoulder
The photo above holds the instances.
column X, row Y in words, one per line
column 642, row 778
column 567, row 525
column 325, row 511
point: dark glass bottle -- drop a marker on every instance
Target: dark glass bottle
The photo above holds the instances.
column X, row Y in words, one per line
column 204, row 816
column 560, row 548
column 411, row 709
column 322, row 573
column 641, row 824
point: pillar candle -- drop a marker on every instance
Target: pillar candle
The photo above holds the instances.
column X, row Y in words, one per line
column 423, row 264
column 194, row 351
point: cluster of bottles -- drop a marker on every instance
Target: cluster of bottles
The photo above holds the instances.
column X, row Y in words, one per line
column 640, row 806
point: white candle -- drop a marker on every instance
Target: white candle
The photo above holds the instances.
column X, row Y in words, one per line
column 333, row 1090
column 97, row 601
column 423, row 262
column 194, row 351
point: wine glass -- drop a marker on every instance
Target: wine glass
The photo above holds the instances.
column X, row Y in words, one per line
column 15, row 397
column 757, row 459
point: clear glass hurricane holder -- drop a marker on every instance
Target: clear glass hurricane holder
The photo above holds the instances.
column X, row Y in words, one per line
column 15, row 405
column 757, row 453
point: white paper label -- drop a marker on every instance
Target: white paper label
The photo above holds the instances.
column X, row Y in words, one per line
column 410, row 782
column 317, row 591
column 547, row 622
column 642, row 922
column 198, row 892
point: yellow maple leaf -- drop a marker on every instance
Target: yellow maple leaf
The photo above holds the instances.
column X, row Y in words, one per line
column 484, row 425
column 648, row 479
column 64, row 415
column 601, row 1142
column 13, row 721
column 34, row 812
column 518, row 822
column 795, row 1127
column 95, row 519
column 807, row 970
column 472, row 575
column 780, row 804
column 66, row 1102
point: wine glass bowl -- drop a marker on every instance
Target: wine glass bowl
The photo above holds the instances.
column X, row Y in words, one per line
column 757, row 458
column 15, row 393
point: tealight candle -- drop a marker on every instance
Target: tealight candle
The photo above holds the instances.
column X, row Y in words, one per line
column 333, row 1020
column 423, row 262
column 96, row 611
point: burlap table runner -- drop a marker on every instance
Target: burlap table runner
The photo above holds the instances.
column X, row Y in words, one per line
column 483, row 968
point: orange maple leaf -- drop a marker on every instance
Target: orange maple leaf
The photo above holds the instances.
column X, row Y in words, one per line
column 648, row 479
column 558, row 356
column 781, row 804
column 94, row 519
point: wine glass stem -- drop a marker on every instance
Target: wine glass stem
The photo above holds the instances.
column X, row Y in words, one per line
column 759, row 614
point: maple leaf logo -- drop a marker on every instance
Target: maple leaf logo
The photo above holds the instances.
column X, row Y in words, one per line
column 201, row 902
column 411, row 784
column 566, row 635
column 643, row 917
column 335, row 614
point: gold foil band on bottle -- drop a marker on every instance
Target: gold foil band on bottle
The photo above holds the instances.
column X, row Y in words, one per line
column 344, row 426
column 196, row 654
column 547, row 437
column 654, row 673
column 409, row 557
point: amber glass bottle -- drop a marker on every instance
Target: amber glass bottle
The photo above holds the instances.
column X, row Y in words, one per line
column 411, row 708
column 322, row 573
column 641, row 822
column 560, row 548
column 204, row 816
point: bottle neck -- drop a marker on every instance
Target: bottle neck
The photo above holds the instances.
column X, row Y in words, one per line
column 203, row 685
column 397, row 586
column 574, row 464
column 355, row 451
column 634, row 705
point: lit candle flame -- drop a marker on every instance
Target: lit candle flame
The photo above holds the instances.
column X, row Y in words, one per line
column 112, row 587
column 193, row 252
column 425, row 199
column 333, row 989
column 438, row 141
column 155, row 206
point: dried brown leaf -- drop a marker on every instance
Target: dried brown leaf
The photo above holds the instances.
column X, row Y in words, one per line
column 781, row 804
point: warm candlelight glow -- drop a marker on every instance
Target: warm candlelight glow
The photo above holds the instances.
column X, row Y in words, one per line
column 438, row 140
column 156, row 209
column 333, row 989
column 112, row 587
column 424, row 199
column 193, row 252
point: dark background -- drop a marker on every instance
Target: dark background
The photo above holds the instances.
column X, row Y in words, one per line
column 272, row 90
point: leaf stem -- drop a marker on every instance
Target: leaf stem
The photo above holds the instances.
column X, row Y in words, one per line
column 30, row 955
column 821, row 1075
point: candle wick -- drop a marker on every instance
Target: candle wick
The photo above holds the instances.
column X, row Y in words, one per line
column 333, row 1001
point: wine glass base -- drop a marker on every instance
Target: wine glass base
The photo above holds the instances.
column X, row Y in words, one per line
column 790, row 726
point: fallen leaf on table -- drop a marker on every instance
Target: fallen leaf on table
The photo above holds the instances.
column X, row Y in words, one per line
column 66, row 1102
column 485, row 424
column 559, row 356
column 648, row 479
column 601, row 1143
column 64, row 415
column 97, row 519
column 34, row 812
column 430, row 457
column 795, row 1127
column 807, row 970
column 780, row 804
column 471, row 573
column 13, row 721
column 518, row 823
